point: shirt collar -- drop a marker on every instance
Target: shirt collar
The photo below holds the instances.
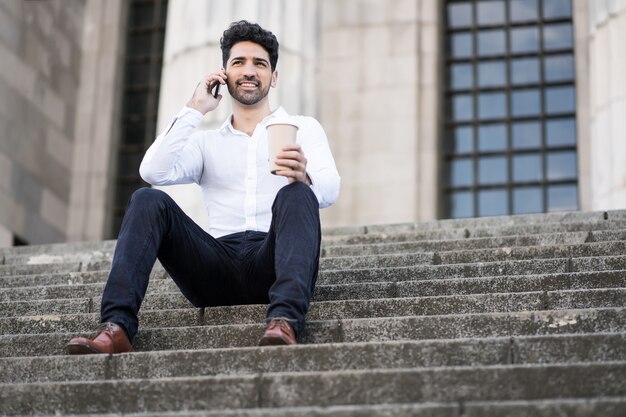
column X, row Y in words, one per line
column 228, row 125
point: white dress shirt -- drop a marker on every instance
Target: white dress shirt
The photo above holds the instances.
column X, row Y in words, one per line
column 233, row 168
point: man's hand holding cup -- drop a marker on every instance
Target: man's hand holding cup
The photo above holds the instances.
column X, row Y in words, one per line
column 286, row 156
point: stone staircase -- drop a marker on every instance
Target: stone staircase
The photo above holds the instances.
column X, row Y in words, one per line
column 507, row 316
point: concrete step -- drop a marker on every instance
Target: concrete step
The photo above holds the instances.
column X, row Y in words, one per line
column 523, row 267
column 333, row 310
column 390, row 274
column 459, row 286
column 457, row 244
column 355, row 264
column 567, row 348
column 490, row 383
column 465, row 233
column 590, row 407
column 615, row 248
column 550, row 239
column 45, row 268
column 609, row 217
column 607, row 235
column 611, row 320
column 366, row 290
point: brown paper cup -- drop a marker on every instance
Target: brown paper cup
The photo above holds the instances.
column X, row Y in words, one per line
column 280, row 133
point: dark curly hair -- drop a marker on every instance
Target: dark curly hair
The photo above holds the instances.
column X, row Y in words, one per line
column 243, row 31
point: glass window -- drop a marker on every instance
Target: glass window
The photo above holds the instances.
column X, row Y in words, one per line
column 492, row 170
column 558, row 68
column 491, row 105
column 524, row 39
column 490, row 12
column 523, row 10
column 510, row 119
column 527, row 200
column 140, row 44
column 492, row 137
column 142, row 69
column 461, row 76
column 557, row 36
column 491, row 74
column 526, row 103
column 561, row 165
column 524, row 71
column 527, row 167
column 526, row 135
column 141, row 15
column 459, row 15
column 561, row 132
column 133, row 133
column 492, row 202
column 461, row 45
column 554, row 9
column 128, row 164
column 562, row 197
column 560, row 100
column 462, row 139
column 491, row 42
column 137, row 73
column 462, row 107
column 135, row 103
column 460, row 204
column 461, row 172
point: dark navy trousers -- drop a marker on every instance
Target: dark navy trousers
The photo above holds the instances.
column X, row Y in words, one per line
column 278, row 268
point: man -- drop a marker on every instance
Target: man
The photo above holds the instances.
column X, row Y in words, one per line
column 263, row 242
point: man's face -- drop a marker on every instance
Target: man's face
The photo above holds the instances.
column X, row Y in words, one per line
column 249, row 74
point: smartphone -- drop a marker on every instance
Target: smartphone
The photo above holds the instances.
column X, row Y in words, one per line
column 217, row 90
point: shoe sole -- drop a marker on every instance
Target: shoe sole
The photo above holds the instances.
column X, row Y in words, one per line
column 81, row 349
column 273, row 341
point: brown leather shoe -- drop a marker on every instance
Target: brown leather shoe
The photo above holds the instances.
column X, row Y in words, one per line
column 278, row 332
column 110, row 338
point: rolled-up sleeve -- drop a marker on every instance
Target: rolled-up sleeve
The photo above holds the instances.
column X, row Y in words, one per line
column 321, row 167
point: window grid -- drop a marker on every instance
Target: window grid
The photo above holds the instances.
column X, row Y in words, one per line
column 511, row 90
column 142, row 77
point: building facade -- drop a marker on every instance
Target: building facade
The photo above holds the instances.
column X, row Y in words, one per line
column 433, row 109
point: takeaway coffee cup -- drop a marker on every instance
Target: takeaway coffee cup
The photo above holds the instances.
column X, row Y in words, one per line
column 280, row 133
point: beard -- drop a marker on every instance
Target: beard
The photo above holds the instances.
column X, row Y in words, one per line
column 247, row 97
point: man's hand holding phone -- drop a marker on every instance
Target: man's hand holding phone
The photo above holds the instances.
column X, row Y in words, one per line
column 206, row 97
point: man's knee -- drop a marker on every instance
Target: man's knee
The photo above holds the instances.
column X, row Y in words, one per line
column 297, row 191
column 148, row 198
column 146, row 194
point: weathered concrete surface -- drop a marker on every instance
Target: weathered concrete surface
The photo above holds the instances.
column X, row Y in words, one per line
column 518, row 315
column 509, row 382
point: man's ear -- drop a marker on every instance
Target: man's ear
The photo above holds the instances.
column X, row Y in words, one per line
column 274, row 79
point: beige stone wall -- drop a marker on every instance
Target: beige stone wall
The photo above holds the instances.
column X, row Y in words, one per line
column 608, row 104
column 601, row 108
column 194, row 28
column 379, row 103
column 59, row 92
column 39, row 80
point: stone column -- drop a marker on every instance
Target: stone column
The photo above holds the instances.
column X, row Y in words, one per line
column 97, row 118
column 194, row 28
column 601, row 85
column 379, row 104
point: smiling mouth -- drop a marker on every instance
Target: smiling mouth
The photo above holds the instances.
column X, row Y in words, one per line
column 247, row 84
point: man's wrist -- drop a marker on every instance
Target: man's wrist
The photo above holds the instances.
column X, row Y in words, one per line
column 192, row 104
